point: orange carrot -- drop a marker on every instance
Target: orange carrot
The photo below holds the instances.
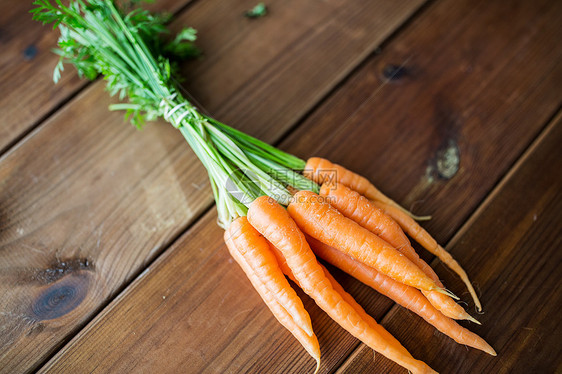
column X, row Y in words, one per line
column 309, row 342
column 406, row 296
column 257, row 253
column 315, row 216
column 347, row 297
column 366, row 317
column 421, row 236
column 273, row 222
column 323, row 171
column 361, row 210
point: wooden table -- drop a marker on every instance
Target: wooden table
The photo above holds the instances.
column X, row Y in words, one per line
column 110, row 257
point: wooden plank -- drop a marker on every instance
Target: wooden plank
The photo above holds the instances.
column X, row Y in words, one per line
column 203, row 324
column 87, row 202
column 26, row 69
column 516, row 234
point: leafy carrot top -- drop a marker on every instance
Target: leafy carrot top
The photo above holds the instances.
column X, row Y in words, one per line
column 130, row 51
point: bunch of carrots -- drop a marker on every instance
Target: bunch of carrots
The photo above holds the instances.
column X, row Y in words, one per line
column 280, row 213
column 361, row 234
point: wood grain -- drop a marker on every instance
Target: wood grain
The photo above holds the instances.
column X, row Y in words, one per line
column 26, row 69
column 87, row 202
column 517, row 234
column 461, row 84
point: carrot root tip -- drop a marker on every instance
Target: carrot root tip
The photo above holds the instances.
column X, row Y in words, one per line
column 472, row 319
column 420, row 218
column 488, row 349
column 445, row 291
column 317, row 365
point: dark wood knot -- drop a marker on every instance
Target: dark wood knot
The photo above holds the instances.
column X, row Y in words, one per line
column 394, row 72
column 60, row 298
column 448, row 160
column 30, row 52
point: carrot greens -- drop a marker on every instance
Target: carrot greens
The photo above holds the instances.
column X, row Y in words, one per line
column 139, row 65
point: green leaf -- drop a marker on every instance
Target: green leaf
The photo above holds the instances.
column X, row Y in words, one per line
column 57, row 72
column 182, row 46
column 188, row 33
column 259, row 10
